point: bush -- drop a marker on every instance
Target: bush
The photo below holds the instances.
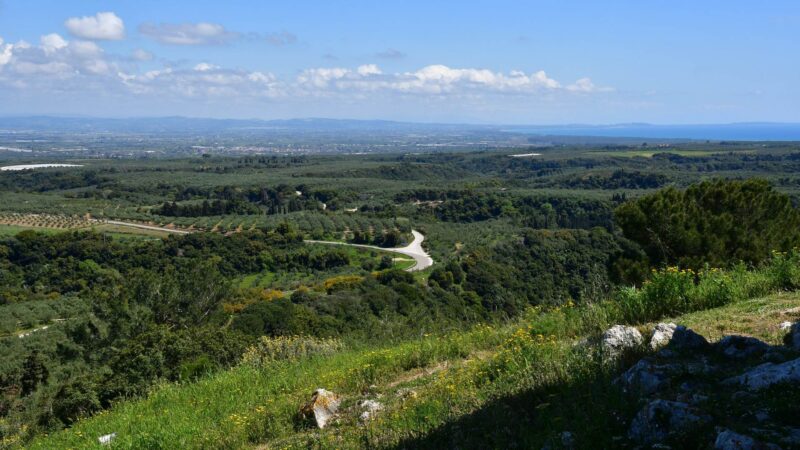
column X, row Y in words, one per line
column 288, row 348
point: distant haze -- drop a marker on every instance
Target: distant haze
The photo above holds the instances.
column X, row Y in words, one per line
column 344, row 127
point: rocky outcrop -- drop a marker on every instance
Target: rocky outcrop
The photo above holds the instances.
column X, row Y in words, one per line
column 741, row 347
column 647, row 377
column 619, row 339
column 321, row 408
column 694, row 394
column 685, row 339
column 768, row 374
column 793, row 338
column 663, row 420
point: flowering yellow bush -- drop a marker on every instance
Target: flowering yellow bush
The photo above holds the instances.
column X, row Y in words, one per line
column 287, row 348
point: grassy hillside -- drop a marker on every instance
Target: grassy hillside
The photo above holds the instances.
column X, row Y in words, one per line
column 522, row 382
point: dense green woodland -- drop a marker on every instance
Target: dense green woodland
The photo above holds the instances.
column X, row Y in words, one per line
column 89, row 318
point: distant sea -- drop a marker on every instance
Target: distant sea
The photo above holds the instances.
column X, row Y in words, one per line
column 732, row 132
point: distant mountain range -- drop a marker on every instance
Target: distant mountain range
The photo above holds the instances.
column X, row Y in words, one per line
column 753, row 131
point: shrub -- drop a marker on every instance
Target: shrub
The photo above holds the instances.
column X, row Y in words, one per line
column 288, row 348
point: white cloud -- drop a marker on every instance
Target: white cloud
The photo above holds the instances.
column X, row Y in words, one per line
column 205, row 67
column 80, row 68
column 53, row 57
column 437, row 80
column 142, row 55
column 5, row 53
column 52, row 43
column 202, row 33
column 101, row 26
column 204, row 81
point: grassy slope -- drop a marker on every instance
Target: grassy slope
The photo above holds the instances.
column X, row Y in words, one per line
column 526, row 376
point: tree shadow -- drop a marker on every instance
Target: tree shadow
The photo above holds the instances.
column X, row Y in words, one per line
column 588, row 412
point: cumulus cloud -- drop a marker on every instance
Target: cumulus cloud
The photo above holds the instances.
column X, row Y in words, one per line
column 204, row 81
column 202, row 33
column 391, row 53
column 55, row 57
column 101, row 26
column 80, row 68
column 436, row 80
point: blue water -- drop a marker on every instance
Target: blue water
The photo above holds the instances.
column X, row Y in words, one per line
column 732, row 132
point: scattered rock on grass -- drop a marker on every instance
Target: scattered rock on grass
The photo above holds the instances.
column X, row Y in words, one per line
column 106, row 438
column 370, row 407
column 321, row 408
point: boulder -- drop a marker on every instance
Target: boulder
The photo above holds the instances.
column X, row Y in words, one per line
column 729, row 440
column 741, row 347
column 768, row 374
column 619, row 339
column 785, row 326
column 321, row 408
column 662, row 420
column 685, row 339
column 662, row 334
column 370, row 408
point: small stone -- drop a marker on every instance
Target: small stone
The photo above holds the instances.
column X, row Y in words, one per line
column 785, row 326
column 106, row 438
column 370, row 407
column 662, row 334
column 321, row 408
column 619, row 339
column 406, row 393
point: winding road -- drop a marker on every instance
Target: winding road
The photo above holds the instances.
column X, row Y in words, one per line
column 421, row 258
column 142, row 226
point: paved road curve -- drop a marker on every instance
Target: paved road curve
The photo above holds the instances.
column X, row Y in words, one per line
column 422, row 259
column 414, row 250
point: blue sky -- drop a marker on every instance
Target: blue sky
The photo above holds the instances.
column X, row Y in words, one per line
column 537, row 62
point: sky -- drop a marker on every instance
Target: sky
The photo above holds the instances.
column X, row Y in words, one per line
column 496, row 62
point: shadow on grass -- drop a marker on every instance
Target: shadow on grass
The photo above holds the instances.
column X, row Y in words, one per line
column 590, row 409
